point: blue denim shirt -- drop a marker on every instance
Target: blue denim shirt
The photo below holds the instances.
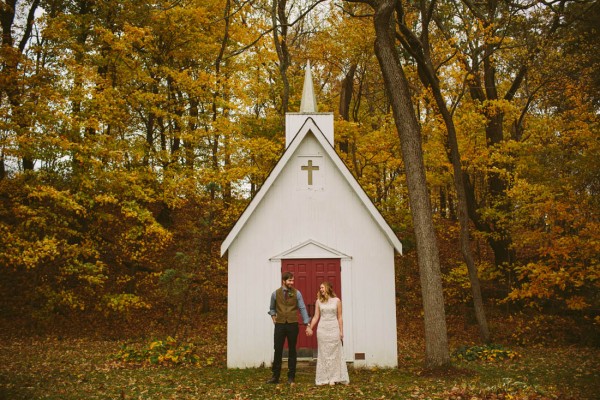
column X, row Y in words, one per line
column 301, row 306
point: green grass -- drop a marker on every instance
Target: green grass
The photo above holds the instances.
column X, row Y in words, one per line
column 86, row 369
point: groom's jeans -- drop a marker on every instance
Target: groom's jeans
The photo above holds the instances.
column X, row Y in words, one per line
column 287, row 331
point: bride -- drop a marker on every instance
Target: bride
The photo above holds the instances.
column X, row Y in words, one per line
column 331, row 365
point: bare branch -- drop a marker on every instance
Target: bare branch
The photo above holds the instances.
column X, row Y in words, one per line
column 29, row 25
column 268, row 31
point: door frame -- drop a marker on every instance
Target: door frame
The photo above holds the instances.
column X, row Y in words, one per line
column 311, row 249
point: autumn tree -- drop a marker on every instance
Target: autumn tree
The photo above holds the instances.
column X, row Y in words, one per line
column 138, row 139
column 436, row 350
column 497, row 44
column 555, row 185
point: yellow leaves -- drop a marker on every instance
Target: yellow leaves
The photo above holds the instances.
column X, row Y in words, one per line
column 554, row 226
column 106, row 198
column 140, row 37
column 70, row 299
column 76, row 242
column 547, row 280
column 457, row 285
column 125, row 302
column 373, row 156
column 577, row 303
column 488, row 353
column 148, row 225
column 155, row 344
column 63, row 298
column 62, row 199
column 162, row 352
column 123, row 199
column 41, row 251
column 93, row 274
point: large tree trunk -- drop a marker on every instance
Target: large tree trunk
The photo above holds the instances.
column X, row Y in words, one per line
column 436, row 338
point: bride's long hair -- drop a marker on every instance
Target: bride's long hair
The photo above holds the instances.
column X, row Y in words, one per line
column 329, row 293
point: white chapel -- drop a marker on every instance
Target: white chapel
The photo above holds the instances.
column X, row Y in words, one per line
column 312, row 217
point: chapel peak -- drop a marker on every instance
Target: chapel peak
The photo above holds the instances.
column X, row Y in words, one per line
column 322, row 121
column 308, row 104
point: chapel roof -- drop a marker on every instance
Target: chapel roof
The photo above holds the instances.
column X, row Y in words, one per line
column 310, row 128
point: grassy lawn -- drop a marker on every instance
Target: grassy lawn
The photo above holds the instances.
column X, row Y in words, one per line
column 86, row 369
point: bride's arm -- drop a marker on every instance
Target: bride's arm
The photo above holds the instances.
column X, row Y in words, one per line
column 315, row 317
column 340, row 319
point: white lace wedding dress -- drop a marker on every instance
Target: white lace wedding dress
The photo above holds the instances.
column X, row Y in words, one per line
column 331, row 365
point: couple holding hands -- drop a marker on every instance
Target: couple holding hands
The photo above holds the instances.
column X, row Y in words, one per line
column 285, row 304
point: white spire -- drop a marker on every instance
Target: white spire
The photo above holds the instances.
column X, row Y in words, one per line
column 308, row 104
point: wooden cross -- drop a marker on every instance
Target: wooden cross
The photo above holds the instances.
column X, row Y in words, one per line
column 310, row 168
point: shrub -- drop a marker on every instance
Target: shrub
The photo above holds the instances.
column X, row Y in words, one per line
column 160, row 352
column 490, row 352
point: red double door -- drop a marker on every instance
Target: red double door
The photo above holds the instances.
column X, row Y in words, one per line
column 308, row 276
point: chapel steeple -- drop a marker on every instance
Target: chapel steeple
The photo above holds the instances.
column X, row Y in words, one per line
column 308, row 110
column 308, row 104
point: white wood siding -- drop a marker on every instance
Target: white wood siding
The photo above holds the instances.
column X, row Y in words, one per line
column 330, row 213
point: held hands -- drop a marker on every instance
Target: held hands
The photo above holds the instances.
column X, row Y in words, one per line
column 309, row 331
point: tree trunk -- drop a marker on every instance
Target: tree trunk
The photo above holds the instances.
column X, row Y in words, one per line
column 346, row 93
column 345, row 100
column 463, row 216
column 484, row 89
column 436, row 338
column 188, row 144
column 220, row 92
column 280, row 29
column 2, row 166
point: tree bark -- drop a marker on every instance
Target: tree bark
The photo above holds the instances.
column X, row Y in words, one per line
column 2, row 166
column 463, row 218
column 436, row 338
column 346, row 93
column 345, row 100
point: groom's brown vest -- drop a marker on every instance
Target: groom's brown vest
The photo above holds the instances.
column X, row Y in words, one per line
column 287, row 309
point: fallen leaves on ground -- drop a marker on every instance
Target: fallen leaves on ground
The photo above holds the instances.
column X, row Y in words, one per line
column 49, row 368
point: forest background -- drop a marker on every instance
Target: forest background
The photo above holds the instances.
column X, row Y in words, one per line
column 133, row 134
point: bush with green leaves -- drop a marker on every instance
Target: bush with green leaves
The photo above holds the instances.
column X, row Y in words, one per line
column 160, row 352
column 488, row 352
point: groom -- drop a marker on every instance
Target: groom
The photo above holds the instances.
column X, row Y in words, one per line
column 285, row 303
